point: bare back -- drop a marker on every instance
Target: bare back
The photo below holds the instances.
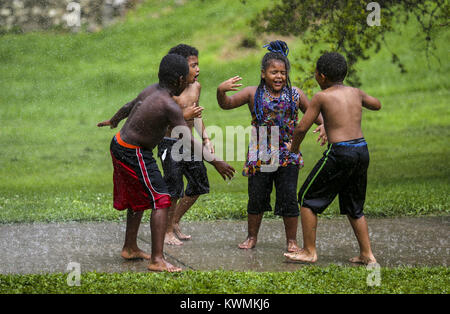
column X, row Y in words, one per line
column 341, row 108
column 149, row 120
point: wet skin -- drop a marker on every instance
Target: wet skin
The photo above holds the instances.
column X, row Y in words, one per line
column 341, row 108
column 148, row 120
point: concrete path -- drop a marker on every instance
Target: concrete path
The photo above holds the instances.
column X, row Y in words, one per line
column 49, row 248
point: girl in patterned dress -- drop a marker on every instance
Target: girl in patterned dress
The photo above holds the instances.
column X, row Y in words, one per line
column 274, row 108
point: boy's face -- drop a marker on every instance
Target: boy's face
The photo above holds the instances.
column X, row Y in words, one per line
column 194, row 70
column 275, row 75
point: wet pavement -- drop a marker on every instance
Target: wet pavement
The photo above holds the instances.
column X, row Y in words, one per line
column 49, row 248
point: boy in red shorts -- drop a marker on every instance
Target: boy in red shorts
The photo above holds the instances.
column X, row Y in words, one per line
column 193, row 170
column 138, row 184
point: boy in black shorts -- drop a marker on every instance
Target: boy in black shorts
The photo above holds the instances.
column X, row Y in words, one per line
column 343, row 168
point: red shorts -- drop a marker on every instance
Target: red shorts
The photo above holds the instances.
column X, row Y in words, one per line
column 138, row 183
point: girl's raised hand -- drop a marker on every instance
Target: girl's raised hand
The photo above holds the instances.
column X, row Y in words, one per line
column 230, row 84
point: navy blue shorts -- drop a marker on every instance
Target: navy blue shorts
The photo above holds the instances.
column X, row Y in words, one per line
column 194, row 171
column 341, row 171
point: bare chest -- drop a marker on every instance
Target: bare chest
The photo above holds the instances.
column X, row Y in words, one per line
column 189, row 98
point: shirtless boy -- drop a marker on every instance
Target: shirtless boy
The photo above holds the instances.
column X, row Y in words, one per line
column 343, row 168
column 138, row 184
column 194, row 170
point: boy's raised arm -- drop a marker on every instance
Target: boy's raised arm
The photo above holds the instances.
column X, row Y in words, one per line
column 370, row 102
column 311, row 114
column 124, row 112
column 121, row 114
column 303, row 104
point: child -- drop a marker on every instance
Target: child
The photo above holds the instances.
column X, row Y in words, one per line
column 274, row 103
column 194, row 171
column 138, row 184
column 343, row 167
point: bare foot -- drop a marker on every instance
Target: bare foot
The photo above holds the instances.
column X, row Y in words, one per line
column 134, row 254
column 365, row 260
column 292, row 246
column 301, row 256
column 163, row 265
column 249, row 243
column 180, row 234
column 170, row 238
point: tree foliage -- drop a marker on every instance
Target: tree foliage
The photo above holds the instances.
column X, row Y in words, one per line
column 344, row 26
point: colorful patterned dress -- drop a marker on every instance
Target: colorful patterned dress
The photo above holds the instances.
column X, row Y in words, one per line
column 272, row 113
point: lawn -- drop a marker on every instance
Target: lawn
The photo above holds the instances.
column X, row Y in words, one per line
column 55, row 164
column 330, row 279
column 56, row 86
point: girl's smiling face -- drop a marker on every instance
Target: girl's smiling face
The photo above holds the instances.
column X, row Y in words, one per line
column 275, row 75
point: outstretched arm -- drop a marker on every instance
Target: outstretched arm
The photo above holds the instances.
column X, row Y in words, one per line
column 303, row 104
column 311, row 114
column 124, row 112
column 230, row 102
column 121, row 114
column 370, row 102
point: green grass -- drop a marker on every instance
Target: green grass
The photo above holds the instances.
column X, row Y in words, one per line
column 330, row 280
column 79, row 205
column 55, row 87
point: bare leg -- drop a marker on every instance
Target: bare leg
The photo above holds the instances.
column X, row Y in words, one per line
column 290, row 226
column 183, row 206
column 158, row 225
column 361, row 230
column 130, row 249
column 309, row 227
column 254, row 222
column 170, row 237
